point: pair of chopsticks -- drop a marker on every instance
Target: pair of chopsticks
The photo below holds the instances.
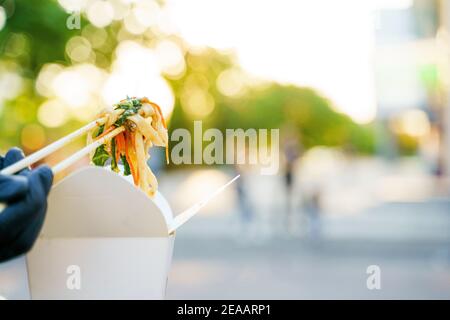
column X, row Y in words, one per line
column 38, row 155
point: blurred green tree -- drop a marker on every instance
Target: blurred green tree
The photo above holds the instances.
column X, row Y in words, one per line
column 212, row 87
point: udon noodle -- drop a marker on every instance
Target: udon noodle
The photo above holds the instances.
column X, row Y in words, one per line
column 145, row 127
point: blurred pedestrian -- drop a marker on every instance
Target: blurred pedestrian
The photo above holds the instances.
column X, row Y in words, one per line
column 291, row 151
column 246, row 215
column 313, row 211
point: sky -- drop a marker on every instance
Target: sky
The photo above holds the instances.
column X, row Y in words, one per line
column 324, row 44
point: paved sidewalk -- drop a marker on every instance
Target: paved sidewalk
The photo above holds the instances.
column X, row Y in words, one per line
column 220, row 255
column 215, row 259
column 293, row 269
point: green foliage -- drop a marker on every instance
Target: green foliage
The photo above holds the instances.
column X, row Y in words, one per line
column 272, row 106
column 314, row 117
column 406, row 144
column 36, row 34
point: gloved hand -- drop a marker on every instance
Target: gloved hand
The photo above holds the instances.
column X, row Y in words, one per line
column 25, row 196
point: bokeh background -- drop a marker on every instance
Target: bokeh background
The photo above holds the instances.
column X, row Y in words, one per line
column 358, row 89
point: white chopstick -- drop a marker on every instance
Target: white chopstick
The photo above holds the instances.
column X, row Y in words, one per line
column 58, row 144
column 81, row 153
column 184, row 216
column 38, row 155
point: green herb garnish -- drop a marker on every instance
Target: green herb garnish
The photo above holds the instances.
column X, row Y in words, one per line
column 126, row 166
column 131, row 107
column 114, row 166
column 100, row 156
column 100, row 130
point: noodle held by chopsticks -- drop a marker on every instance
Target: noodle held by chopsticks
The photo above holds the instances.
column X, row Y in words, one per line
column 144, row 127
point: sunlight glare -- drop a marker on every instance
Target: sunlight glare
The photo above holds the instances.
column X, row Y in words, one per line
column 136, row 73
column 323, row 44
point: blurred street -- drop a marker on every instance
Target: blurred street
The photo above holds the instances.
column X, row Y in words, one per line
column 217, row 257
column 295, row 268
column 292, row 269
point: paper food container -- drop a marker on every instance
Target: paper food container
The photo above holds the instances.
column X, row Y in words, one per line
column 103, row 238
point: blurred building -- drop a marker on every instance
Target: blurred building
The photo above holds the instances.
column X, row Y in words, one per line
column 411, row 80
column 444, row 43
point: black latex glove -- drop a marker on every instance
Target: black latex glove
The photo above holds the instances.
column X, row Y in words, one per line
column 25, row 197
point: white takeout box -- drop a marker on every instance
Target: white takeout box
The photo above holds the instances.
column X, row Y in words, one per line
column 105, row 233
